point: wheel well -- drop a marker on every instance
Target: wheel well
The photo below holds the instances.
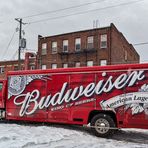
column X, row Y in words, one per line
column 95, row 112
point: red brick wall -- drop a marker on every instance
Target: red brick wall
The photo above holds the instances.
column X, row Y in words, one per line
column 73, row 57
column 118, row 46
column 13, row 65
column 114, row 53
column 9, row 66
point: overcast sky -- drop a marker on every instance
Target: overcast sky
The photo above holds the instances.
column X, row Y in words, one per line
column 131, row 19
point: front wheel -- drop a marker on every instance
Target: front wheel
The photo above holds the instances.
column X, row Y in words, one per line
column 102, row 125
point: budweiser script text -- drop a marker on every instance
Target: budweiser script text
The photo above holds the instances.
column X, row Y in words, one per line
column 32, row 101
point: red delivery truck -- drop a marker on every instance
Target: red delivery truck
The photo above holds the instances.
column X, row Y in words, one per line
column 104, row 98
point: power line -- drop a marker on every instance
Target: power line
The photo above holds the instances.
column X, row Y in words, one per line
column 142, row 43
column 14, row 55
column 9, row 43
column 83, row 12
column 53, row 11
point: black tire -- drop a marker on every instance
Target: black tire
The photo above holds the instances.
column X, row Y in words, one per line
column 102, row 120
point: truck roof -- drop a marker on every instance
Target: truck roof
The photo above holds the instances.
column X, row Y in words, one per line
column 122, row 67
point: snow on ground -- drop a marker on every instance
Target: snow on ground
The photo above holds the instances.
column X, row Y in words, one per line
column 65, row 136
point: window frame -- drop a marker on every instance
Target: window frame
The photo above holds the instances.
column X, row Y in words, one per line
column 2, row 69
column 101, row 61
column 43, row 66
column 90, row 45
column 76, row 44
column 54, row 67
column 77, row 64
column 54, row 49
column 125, row 55
column 65, row 64
column 44, row 49
column 102, row 41
column 92, row 64
column 31, row 67
column 66, row 45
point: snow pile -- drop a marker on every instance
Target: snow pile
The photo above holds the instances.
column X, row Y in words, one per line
column 62, row 136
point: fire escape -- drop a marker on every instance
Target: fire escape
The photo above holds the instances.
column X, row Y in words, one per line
column 65, row 55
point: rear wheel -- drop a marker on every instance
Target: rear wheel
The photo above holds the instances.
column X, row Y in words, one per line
column 102, row 124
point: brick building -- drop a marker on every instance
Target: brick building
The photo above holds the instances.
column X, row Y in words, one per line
column 6, row 66
column 29, row 63
column 99, row 46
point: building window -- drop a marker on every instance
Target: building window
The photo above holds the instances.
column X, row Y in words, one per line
column 65, row 45
column 103, row 62
column 16, row 68
column 43, row 66
column 32, row 67
column 125, row 55
column 54, row 47
column 103, row 43
column 22, row 67
column 53, row 66
column 1, row 69
column 77, row 64
column 65, row 65
column 78, row 44
column 89, row 63
column 90, row 42
column 44, row 48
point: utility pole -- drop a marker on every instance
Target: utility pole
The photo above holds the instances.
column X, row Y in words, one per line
column 20, row 40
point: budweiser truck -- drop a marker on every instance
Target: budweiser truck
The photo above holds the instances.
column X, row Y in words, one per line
column 105, row 98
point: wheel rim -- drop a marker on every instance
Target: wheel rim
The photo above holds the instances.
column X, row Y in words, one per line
column 102, row 126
